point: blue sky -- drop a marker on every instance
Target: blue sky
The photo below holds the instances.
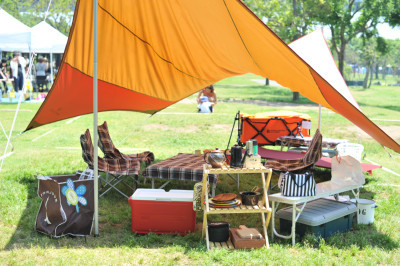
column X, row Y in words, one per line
column 387, row 32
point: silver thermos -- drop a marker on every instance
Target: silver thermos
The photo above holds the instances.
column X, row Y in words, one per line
column 249, row 147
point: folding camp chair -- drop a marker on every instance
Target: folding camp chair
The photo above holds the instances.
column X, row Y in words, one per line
column 312, row 155
column 110, row 151
column 120, row 169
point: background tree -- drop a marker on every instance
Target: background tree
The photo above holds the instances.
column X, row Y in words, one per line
column 372, row 54
column 393, row 13
column 287, row 18
column 394, row 57
column 347, row 19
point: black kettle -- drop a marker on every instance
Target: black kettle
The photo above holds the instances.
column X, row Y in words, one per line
column 236, row 156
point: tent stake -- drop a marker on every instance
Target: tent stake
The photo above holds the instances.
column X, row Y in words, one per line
column 95, row 99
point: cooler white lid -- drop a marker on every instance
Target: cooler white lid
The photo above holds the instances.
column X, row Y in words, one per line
column 161, row 195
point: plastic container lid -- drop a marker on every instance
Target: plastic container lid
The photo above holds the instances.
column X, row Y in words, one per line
column 363, row 201
column 161, row 195
column 319, row 211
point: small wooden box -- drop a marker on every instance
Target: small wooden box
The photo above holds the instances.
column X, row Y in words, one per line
column 241, row 243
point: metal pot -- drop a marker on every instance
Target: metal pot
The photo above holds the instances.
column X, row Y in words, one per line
column 250, row 198
column 216, row 158
column 218, row 232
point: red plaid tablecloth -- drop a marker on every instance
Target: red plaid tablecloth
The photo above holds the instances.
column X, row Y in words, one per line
column 184, row 166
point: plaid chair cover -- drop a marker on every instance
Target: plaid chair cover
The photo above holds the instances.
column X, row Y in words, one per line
column 110, row 151
column 313, row 154
column 115, row 166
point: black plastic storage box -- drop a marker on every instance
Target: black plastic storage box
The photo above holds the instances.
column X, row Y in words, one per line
column 322, row 217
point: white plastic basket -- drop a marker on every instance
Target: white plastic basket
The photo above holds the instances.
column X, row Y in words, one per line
column 353, row 149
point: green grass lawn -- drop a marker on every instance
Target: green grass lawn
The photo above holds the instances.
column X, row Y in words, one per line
column 55, row 149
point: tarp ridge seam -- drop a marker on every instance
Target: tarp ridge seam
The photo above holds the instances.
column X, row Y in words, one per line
column 240, row 36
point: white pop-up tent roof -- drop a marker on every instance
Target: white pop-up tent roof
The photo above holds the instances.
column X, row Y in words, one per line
column 14, row 35
column 46, row 39
column 41, row 38
column 313, row 49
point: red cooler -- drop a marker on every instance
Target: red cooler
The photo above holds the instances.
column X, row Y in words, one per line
column 160, row 212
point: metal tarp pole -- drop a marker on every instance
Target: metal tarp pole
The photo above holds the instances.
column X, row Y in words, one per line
column 95, row 154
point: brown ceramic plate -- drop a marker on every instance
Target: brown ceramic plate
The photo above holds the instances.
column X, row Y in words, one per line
column 224, row 197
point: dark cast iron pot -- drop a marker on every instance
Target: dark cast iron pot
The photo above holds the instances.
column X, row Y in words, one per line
column 218, row 231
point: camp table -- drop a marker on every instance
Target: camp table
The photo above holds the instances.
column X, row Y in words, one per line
column 324, row 189
column 324, row 162
column 184, row 166
column 290, row 141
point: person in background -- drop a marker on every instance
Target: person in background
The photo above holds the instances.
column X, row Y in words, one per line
column 26, row 65
column 4, row 73
column 41, row 68
column 205, row 106
column 17, row 65
column 208, row 92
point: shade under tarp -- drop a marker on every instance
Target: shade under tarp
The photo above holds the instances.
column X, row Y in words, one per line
column 154, row 53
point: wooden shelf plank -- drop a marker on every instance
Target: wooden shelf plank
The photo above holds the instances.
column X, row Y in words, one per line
column 219, row 245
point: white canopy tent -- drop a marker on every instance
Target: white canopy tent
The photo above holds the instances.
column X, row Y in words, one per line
column 46, row 39
column 41, row 38
column 14, row 35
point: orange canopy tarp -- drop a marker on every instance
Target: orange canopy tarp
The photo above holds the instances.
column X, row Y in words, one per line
column 153, row 53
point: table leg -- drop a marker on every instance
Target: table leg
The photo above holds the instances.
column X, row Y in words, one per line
column 357, row 201
column 265, row 230
column 203, row 232
column 273, row 221
column 294, row 224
